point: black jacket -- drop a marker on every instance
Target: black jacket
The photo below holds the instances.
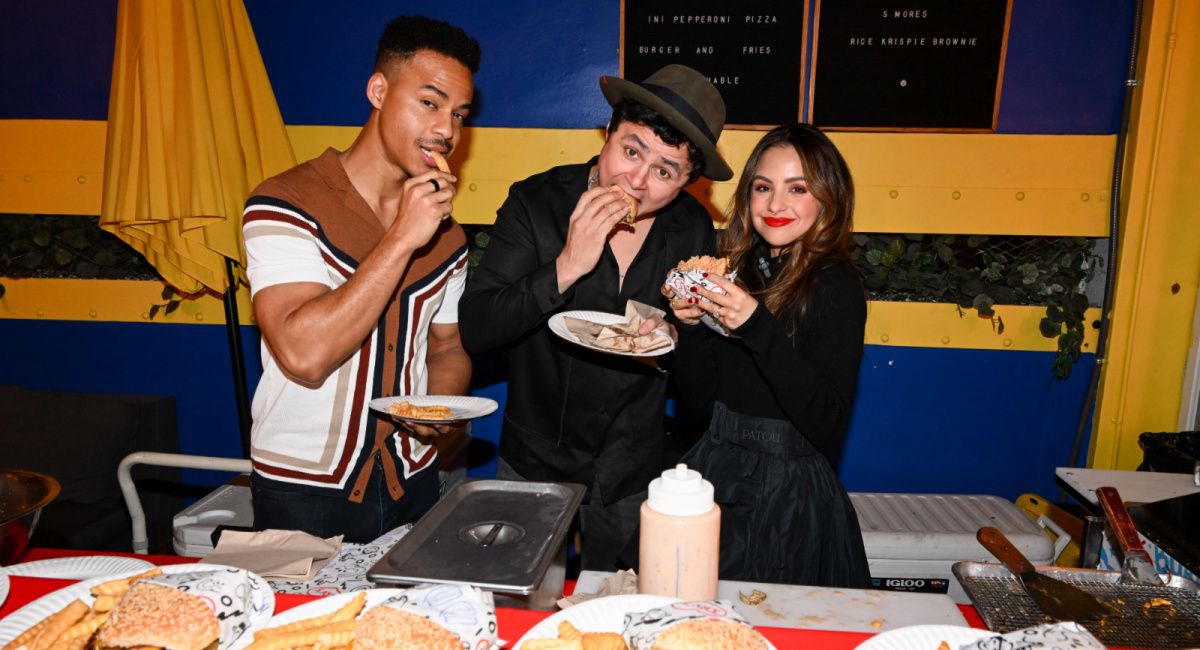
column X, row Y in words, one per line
column 573, row 414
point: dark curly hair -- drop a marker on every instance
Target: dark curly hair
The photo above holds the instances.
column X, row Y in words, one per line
column 628, row 110
column 407, row 35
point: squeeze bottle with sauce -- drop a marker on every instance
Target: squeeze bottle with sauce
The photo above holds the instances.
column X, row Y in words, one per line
column 679, row 545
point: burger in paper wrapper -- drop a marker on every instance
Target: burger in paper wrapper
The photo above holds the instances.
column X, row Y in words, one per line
column 435, row 617
column 700, row 625
column 183, row 611
column 690, row 273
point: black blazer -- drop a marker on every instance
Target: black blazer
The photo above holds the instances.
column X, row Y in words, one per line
column 573, row 414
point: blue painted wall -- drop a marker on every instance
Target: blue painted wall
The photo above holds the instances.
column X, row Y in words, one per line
column 1063, row 74
column 926, row 419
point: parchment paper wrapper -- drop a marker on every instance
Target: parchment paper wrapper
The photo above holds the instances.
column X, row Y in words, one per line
column 233, row 594
column 622, row 336
column 1052, row 635
column 285, row 555
column 624, row 583
column 642, row 628
column 681, row 283
column 466, row 611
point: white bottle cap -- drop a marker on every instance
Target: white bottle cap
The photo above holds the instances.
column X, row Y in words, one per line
column 681, row 492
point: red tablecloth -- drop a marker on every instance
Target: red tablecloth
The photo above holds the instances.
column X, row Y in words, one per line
column 513, row 623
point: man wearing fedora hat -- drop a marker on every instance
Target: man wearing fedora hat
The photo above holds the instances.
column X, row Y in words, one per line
column 573, row 414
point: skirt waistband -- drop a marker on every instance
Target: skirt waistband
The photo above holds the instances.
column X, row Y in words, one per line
column 764, row 435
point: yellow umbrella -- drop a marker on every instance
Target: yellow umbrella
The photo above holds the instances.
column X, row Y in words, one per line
column 193, row 126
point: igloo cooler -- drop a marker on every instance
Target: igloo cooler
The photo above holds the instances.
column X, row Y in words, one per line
column 912, row 540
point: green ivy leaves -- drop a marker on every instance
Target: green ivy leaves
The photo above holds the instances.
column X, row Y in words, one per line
column 173, row 298
column 477, row 242
column 65, row 246
column 979, row 272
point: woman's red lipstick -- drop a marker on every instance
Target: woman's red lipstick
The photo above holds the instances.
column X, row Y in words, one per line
column 777, row 222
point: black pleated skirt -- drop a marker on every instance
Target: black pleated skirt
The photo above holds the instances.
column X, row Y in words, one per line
column 785, row 517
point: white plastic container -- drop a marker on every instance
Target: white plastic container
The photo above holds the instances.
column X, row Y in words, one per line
column 912, row 540
column 228, row 505
column 680, row 539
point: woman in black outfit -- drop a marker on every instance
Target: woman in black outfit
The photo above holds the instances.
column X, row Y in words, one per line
column 781, row 389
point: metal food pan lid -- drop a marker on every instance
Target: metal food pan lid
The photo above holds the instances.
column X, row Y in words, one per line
column 493, row 534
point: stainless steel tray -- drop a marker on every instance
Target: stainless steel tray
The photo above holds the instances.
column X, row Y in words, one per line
column 1165, row 617
column 451, row 543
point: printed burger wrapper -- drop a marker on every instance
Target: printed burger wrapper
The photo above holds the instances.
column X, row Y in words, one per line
column 466, row 611
column 233, row 594
column 642, row 628
column 1051, row 636
column 681, row 282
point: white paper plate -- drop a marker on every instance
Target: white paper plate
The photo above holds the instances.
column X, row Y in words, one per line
column 559, row 326
column 79, row 568
column 462, row 407
column 328, row 605
column 600, row 615
column 924, row 637
column 29, row 615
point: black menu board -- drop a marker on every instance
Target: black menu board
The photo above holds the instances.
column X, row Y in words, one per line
column 919, row 65
column 752, row 51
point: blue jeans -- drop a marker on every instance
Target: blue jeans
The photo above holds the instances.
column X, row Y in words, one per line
column 359, row 523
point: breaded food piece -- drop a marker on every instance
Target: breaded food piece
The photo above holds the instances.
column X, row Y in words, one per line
column 406, row 410
column 718, row 265
column 710, row 634
column 440, row 161
column 388, row 628
column 552, row 644
column 631, row 218
column 604, row 641
column 156, row 615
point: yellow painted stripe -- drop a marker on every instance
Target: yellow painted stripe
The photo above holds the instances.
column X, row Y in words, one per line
column 939, row 325
column 889, row 323
column 51, row 166
column 907, row 182
column 111, row 301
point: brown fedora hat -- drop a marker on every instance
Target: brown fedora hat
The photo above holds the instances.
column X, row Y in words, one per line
column 688, row 101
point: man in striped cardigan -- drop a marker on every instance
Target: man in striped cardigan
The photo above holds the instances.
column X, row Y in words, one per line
column 355, row 272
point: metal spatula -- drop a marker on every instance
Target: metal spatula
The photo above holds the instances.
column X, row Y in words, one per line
column 1136, row 565
column 1058, row 599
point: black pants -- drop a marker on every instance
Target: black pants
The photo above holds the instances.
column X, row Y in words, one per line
column 604, row 530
